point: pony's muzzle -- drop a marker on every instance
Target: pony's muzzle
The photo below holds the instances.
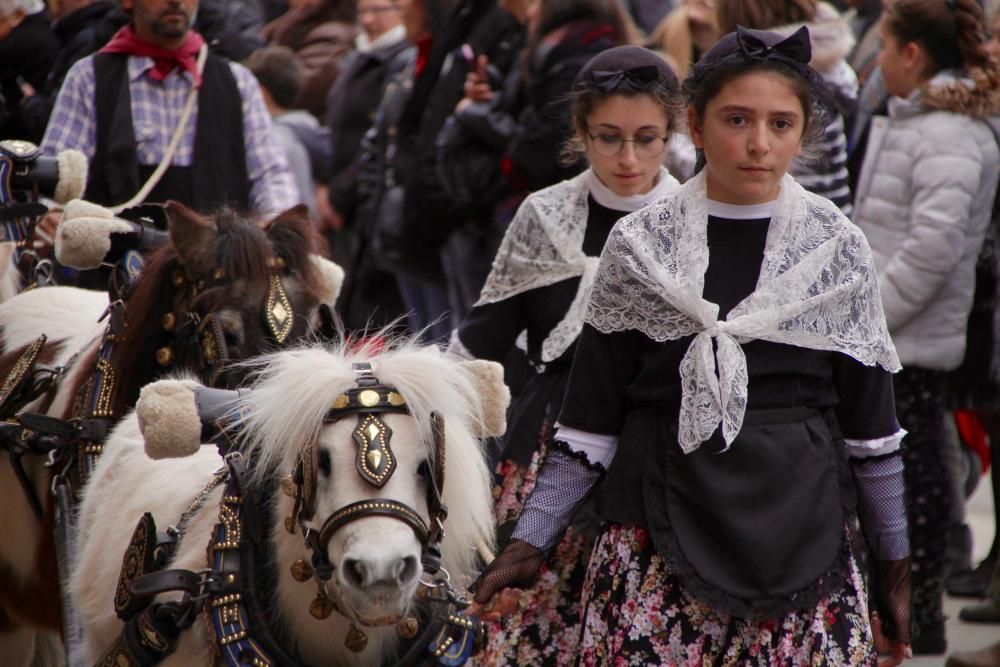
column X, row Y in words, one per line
column 389, row 573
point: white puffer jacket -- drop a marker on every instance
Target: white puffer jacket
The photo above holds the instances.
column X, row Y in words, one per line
column 924, row 199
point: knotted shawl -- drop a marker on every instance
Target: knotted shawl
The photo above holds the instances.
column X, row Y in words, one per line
column 817, row 289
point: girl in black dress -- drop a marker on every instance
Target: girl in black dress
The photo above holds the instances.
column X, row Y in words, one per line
column 624, row 110
column 732, row 386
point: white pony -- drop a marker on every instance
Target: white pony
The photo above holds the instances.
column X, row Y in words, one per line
column 375, row 559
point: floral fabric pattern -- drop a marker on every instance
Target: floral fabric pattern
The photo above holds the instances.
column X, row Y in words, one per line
column 637, row 613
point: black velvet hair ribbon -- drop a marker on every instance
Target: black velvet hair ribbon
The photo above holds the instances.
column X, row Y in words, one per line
column 795, row 49
column 634, row 79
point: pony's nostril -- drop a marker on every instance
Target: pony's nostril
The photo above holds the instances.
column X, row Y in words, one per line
column 355, row 572
column 406, row 570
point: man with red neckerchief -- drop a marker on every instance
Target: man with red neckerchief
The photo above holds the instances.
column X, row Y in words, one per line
column 122, row 105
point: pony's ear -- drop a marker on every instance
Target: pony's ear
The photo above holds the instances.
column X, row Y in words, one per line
column 494, row 396
column 331, row 278
column 295, row 213
column 193, row 237
column 168, row 419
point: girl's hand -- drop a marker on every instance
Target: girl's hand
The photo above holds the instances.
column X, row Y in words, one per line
column 502, row 604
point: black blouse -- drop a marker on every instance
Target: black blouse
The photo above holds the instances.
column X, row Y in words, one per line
column 628, row 385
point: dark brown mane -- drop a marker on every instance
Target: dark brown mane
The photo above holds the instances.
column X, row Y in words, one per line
column 243, row 250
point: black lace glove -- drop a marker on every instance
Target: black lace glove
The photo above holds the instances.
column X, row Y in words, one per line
column 564, row 482
column 882, row 510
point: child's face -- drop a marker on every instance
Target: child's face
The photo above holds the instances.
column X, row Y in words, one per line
column 751, row 131
column 625, row 143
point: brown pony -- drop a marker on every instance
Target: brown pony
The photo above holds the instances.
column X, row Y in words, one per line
column 224, row 289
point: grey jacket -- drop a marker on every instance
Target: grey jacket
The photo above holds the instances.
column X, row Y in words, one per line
column 924, row 198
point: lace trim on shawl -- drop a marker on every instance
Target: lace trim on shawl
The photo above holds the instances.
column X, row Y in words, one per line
column 817, row 289
column 543, row 246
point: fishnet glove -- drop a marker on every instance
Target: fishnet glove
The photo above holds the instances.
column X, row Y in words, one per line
column 516, row 567
column 892, row 596
column 564, row 482
column 882, row 510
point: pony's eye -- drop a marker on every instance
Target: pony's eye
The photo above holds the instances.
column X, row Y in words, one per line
column 424, row 470
column 324, row 462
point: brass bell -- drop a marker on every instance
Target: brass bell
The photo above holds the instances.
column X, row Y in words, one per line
column 288, row 486
column 408, row 627
column 321, row 608
column 165, row 356
column 356, row 640
column 169, row 321
column 301, row 570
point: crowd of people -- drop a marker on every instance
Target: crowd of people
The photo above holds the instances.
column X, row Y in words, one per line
column 738, row 257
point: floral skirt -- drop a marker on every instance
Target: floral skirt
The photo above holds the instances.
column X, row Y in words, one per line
column 546, row 628
column 637, row 613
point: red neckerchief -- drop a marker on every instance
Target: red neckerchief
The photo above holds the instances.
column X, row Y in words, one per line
column 423, row 53
column 164, row 60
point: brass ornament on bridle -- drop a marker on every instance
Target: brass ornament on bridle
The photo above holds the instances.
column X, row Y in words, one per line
column 278, row 311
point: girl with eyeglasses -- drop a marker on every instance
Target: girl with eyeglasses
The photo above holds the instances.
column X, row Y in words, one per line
column 732, row 388
column 924, row 199
column 625, row 104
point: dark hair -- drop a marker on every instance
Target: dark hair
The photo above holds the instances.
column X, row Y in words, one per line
column 628, row 71
column 951, row 32
column 278, row 70
column 763, row 14
column 730, row 59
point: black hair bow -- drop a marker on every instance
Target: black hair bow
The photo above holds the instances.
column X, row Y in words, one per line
column 636, row 78
column 794, row 49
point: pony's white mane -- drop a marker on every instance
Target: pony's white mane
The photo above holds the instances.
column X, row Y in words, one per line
column 293, row 392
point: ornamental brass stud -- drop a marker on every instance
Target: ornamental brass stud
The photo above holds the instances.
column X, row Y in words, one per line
column 165, row 356
column 408, row 627
column 288, row 486
column 301, row 570
column 321, row 608
column 368, row 398
column 374, row 458
column 395, row 399
column 219, row 274
column 169, row 321
column 178, row 278
column 341, row 402
column 290, row 524
column 356, row 640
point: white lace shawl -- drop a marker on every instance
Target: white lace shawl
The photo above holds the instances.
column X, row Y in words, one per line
column 817, row 289
column 544, row 245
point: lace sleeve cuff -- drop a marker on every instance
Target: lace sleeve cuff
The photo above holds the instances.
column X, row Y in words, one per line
column 598, row 448
column 862, row 449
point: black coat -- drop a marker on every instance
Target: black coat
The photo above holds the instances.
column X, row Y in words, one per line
column 476, row 27
column 351, row 107
column 27, row 54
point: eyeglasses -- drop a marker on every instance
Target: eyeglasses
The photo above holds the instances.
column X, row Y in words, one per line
column 609, row 144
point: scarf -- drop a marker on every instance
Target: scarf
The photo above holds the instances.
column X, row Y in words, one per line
column 543, row 246
column 164, row 60
column 817, row 289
